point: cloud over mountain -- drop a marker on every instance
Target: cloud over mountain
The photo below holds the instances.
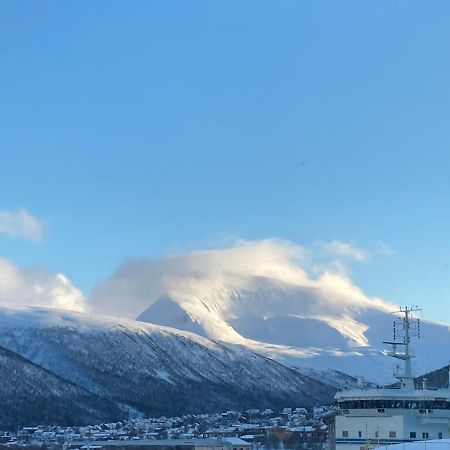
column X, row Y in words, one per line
column 296, row 304
column 137, row 284
column 37, row 286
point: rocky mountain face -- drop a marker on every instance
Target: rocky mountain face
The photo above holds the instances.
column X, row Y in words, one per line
column 69, row 368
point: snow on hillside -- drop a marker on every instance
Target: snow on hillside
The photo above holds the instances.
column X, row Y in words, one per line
column 147, row 368
column 291, row 325
column 29, row 394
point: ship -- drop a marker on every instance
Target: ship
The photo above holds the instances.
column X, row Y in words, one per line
column 370, row 416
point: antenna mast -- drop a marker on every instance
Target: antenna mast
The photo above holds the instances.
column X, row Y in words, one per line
column 405, row 328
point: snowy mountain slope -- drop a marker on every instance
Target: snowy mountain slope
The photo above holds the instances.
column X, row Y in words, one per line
column 299, row 326
column 30, row 394
column 149, row 368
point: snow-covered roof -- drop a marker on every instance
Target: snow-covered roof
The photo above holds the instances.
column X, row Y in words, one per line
column 209, row 442
column 435, row 444
column 235, row 441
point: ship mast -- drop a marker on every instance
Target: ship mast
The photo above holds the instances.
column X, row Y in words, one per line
column 405, row 327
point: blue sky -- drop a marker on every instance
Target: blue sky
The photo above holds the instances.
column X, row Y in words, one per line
column 137, row 129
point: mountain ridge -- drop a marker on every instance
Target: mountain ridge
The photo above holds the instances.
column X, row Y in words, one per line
column 298, row 326
column 144, row 369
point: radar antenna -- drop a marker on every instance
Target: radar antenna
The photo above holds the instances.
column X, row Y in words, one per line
column 405, row 327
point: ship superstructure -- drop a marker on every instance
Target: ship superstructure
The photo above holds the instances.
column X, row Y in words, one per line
column 404, row 412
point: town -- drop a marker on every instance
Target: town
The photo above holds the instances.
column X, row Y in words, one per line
column 291, row 428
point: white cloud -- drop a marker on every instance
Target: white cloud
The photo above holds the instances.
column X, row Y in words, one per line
column 37, row 286
column 20, row 224
column 137, row 283
column 384, row 250
column 200, row 274
column 345, row 250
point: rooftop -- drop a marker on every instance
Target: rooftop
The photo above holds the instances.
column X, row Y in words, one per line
column 210, row 442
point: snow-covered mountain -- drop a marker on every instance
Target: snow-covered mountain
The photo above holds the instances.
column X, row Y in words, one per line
column 30, row 394
column 295, row 304
column 303, row 326
column 75, row 368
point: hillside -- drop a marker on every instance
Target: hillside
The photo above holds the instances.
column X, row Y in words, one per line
column 30, row 394
column 140, row 368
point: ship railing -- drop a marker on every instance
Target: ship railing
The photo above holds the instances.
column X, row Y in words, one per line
column 437, row 444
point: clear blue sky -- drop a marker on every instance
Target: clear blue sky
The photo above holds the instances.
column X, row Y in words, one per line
column 136, row 128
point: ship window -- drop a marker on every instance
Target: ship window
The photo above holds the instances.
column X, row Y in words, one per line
column 392, row 434
column 381, row 410
column 425, row 435
column 440, row 435
column 359, row 433
column 377, row 434
column 422, row 405
column 412, row 434
column 345, row 434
